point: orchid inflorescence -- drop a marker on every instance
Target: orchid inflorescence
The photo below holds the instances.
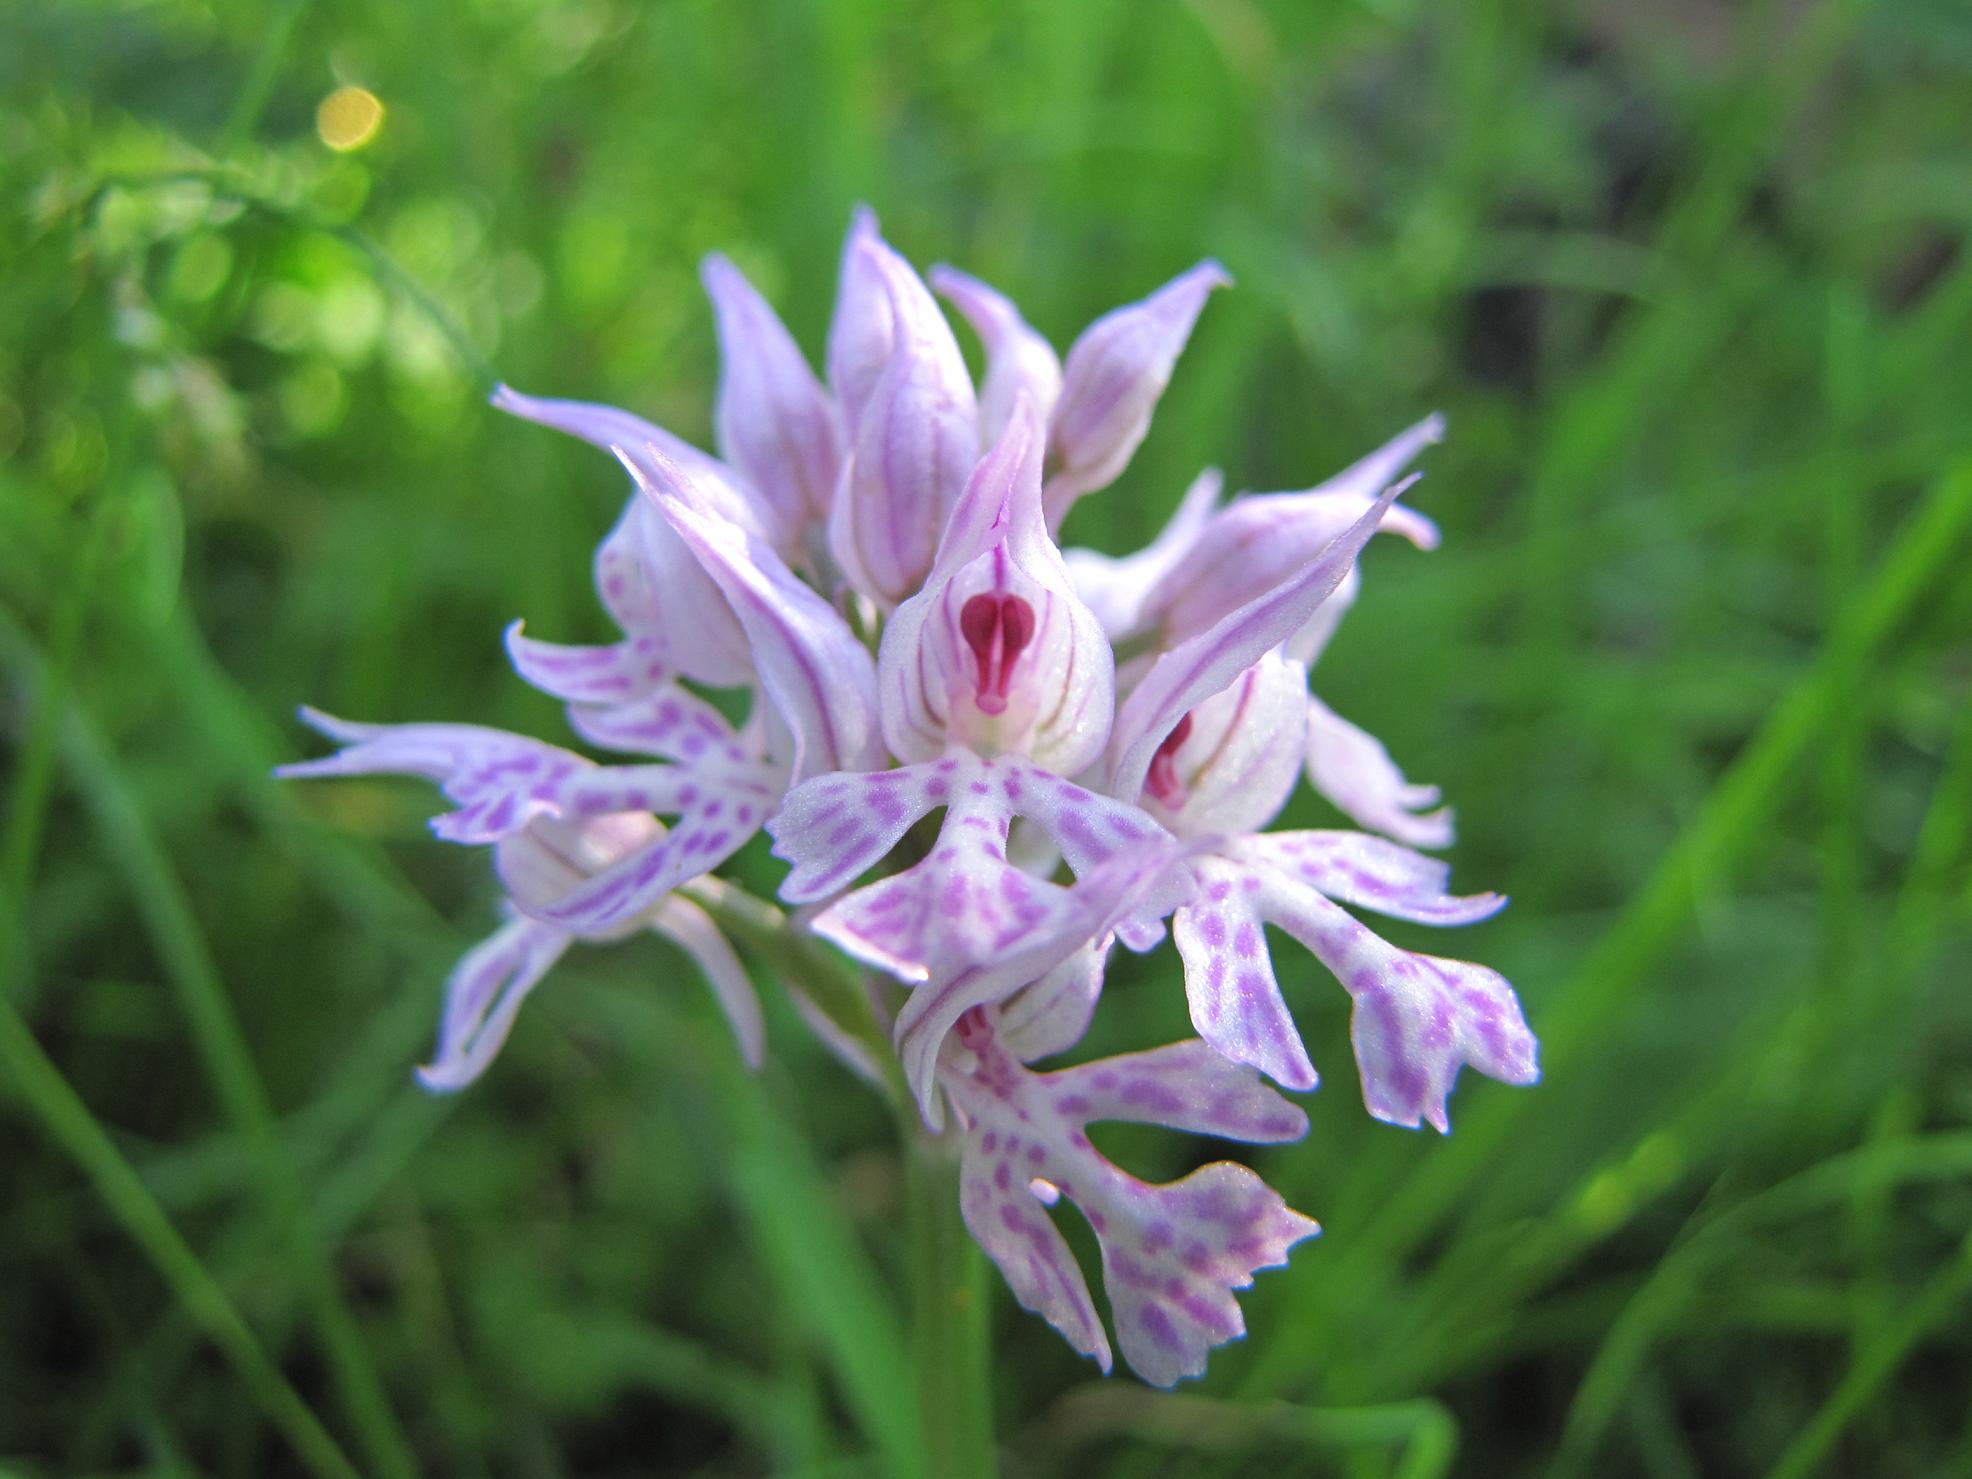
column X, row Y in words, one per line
column 1105, row 738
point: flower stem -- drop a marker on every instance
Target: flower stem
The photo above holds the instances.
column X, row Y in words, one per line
column 948, row 1291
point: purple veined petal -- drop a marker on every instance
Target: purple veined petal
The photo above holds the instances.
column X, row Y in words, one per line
column 1352, row 769
column 1208, row 663
column 834, row 828
column 1088, row 827
column 672, row 722
column 1172, row 1255
column 1018, row 360
column 1229, row 1224
column 1418, row 1019
column 1112, row 380
column 863, row 331
column 963, row 909
column 1117, row 588
column 1236, row 1003
column 599, row 863
column 996, row 654
column 692, row 929
column 913, row 440
column 483, row 996
column 1185, row 1086
column 610, row 790
column 775, row 422
column 1000, row 504
column 499, row 781
column 1308, row 644
column 711, row 826
column 970, row 964
column 1051, row 1015
column 653, row 588
column 1229, row 764
column 611, row 674
column 1369, row 873
column 962, row 904
column 609, row 429
column 649, row 582
column 818, row 675
column 1258, row 541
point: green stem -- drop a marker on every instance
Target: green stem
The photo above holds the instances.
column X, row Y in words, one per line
column 808, row 965
column 948, row 1293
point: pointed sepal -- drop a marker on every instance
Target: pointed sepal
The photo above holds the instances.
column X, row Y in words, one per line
column 1111, row 382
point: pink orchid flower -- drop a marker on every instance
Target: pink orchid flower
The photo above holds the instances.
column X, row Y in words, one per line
column 977, row 799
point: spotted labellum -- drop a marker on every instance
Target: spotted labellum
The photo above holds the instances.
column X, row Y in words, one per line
column 986, row 762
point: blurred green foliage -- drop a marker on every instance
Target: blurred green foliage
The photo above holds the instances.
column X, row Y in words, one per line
column 1691, row 280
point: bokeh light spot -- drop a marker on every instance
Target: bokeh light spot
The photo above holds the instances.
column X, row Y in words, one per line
column 349, row 118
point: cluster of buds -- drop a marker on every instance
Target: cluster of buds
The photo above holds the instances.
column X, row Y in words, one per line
column 1043, row 754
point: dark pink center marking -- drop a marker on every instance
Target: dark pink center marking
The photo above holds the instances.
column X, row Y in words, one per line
column 1163, row 782
column 995, row 627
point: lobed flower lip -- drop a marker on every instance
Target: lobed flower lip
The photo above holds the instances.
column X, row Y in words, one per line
column 888, row 502
column 1172, row 1255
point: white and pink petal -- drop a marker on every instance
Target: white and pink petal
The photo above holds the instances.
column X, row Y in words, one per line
column 1172, row 1255
column 814, row 670
column 775, row 422
column 1111, row 382
column 1019, row 361
column 1417, row 1018
column 1259, row 541
column 498, row 781
column 913, row 436
column 1353, row 770
column 1209, row 662
column 996, row 653
column 483, row 997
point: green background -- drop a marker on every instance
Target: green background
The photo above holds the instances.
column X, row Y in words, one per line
column 1691, row 282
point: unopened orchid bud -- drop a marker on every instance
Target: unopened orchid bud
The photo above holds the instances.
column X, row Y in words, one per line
column 1018, row 360
column 913, row 442
column 1258, row 541
column 863, row 331
column 1111, row 383
column 776, row 424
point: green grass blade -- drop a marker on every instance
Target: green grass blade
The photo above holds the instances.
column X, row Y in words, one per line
column 180, row 944
column 32, row 1075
